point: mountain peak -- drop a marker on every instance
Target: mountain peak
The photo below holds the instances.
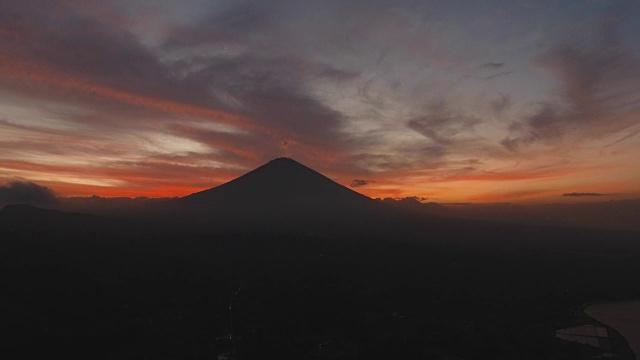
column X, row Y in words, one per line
column 283, row 167
column 282, row 183
column 283, row 159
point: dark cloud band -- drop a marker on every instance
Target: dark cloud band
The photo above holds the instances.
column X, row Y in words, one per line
column 23, row 192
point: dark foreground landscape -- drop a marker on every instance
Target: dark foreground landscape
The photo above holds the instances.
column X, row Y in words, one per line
column 284, row 264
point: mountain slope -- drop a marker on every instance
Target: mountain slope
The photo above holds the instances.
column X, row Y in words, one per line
column 281, row 179
column 283, row 189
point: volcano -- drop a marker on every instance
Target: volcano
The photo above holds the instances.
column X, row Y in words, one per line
column 281, row 189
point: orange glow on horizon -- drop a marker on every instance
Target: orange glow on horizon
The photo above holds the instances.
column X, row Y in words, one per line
column 164, row 191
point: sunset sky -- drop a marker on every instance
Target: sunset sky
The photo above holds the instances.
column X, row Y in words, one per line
column 451, row 101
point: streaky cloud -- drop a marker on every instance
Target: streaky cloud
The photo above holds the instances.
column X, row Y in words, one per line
column 504, row 73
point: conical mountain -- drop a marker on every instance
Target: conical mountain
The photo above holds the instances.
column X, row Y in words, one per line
column 286, row 196
column 282, row 187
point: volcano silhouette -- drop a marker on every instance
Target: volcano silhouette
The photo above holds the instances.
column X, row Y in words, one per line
column 283, row 189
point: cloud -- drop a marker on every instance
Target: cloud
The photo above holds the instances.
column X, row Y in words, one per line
column 272, row 90
column 510, row 195
column 488, row 70
column 492, row 65
column 545, row 124
column 92, row 62
column 501, row 104
column 581, row 194
column 442, row 125
column 415, row 198
column 54, row 36
column 23, row 192
column 511, row 144
column 359, row 182
column 498, row 75
column 625, row 137
column 70, row 57
column 336, row 74
column 599, row 83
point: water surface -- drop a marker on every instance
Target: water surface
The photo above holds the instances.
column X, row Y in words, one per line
column 622, row 316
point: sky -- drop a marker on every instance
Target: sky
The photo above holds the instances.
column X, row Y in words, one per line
column 446, row 101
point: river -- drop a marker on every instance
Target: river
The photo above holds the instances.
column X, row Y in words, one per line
column 622, row 316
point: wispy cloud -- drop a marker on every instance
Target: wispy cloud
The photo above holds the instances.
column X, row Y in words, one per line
column 442, row 125
column 492, row 76
column 582, row 194
column 599, row 85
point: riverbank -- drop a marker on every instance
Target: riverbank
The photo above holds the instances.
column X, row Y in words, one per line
column 622, row 316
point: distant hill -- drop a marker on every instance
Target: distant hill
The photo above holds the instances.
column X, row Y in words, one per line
column 118, row 207
column 414, row 205
column 22, row 217
column 612, row 215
